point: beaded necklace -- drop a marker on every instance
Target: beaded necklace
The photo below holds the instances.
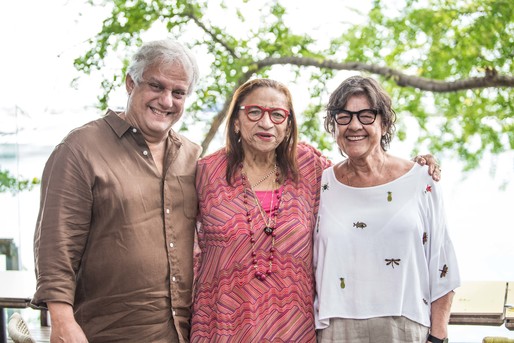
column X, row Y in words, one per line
column 269, row 221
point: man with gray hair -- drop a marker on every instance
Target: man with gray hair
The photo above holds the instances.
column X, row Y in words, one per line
column 114, row 237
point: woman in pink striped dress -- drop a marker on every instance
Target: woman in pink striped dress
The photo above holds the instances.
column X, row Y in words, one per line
column 258, row 199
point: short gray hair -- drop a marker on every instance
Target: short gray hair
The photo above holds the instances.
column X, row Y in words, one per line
column 164, row 52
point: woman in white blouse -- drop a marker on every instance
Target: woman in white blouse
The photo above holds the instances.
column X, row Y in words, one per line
column 384, row 263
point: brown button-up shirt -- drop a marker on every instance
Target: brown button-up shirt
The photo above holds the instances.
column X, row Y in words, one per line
column 114, row 238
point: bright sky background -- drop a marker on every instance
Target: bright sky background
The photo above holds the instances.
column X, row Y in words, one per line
column 40, row 39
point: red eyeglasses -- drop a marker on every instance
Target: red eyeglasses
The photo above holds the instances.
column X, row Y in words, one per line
column 255, row 112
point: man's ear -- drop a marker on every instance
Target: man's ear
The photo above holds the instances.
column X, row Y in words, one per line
column 129, row 84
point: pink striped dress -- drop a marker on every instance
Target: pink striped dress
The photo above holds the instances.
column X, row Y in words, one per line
column 230, row 303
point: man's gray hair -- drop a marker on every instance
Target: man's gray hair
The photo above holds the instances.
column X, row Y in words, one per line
column 164, row 52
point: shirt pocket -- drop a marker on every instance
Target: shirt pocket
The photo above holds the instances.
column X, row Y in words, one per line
column 189, row 197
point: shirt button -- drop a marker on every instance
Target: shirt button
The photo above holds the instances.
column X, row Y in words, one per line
column 134, row 130
column 172, row 245
column 174, row 313
column 174, row 279
column 168, row 210
column 145, row 152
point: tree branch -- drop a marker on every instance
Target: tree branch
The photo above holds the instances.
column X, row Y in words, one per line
column 491, row 78
column 212, row 34
column 220, row 116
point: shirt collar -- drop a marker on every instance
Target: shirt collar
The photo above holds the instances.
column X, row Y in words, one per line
column 120, row 126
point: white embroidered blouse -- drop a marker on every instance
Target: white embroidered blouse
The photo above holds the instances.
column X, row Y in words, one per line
column 382, row 250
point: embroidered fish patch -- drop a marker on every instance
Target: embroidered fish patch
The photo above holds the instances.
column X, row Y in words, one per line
column 360, row 225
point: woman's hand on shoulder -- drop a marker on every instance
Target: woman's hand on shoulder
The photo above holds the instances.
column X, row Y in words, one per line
column 433, row 165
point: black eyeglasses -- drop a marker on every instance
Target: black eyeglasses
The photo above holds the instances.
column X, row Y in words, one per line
column 366, row 116
column 255, row 112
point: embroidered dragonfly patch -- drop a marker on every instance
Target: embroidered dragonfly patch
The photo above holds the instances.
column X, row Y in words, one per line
column 392, row 261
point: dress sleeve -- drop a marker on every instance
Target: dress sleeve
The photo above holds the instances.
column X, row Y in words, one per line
column 312, row 163
column 201, row 178
column 318, row 158
column 63, row 225
column 443, row 267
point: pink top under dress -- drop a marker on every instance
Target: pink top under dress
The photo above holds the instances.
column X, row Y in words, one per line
column 231, row 304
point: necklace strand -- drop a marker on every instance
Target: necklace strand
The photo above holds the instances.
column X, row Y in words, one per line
column 270, row 223
column 273, row 170
column 268, row 220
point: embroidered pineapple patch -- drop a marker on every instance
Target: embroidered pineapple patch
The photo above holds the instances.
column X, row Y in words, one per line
column 341, row 282
column 389, row 196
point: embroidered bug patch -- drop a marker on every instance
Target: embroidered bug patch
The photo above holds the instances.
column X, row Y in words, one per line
column 392, row 261
column 444, row 271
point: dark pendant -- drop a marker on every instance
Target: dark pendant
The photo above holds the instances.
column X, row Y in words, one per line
column 268, row 230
